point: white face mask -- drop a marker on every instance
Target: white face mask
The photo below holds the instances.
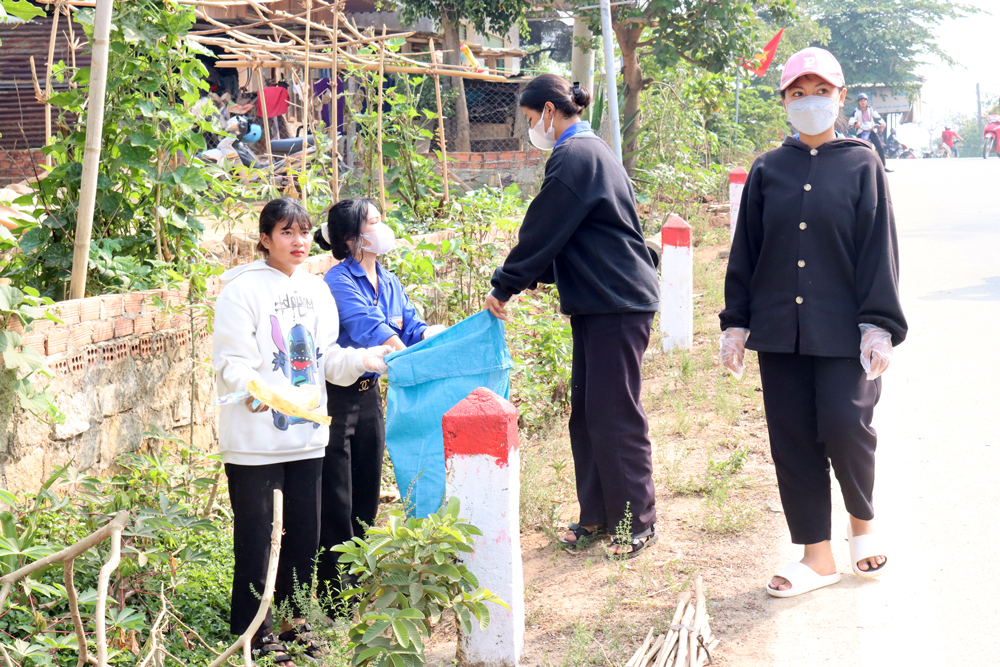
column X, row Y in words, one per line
column 541, row 139
column 380, row 240
column 814, row 114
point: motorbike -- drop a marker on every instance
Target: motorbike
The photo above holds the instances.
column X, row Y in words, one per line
column 991, row 136
column 899, row 151
column 233, row 150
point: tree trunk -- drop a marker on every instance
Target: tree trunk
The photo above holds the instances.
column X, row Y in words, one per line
column 453, row 56
column 628, row 36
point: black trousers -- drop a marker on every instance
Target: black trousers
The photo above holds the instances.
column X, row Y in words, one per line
column 608, row 430
column 251, row 494
column 876, row 142
column 819, row 411
column 352, row 471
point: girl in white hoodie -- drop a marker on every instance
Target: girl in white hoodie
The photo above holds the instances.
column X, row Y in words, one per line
column 277, row 323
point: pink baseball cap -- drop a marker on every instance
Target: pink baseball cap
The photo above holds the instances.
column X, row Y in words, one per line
column 812, row 61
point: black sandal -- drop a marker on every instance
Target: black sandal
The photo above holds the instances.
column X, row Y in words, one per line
column 581, row 532
column 638, row 543
column 267, row 646
column 301, row 636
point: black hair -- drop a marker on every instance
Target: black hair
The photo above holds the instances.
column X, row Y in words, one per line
column 282, row 210
column 344, row 223
column 570, row 100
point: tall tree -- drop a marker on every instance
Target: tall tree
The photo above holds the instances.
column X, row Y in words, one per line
column 711, row 34
column 494, row 16
column 884, row 41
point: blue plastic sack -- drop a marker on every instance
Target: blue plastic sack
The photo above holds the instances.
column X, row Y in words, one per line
column 425, row 381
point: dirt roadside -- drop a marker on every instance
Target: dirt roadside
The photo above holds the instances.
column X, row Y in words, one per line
column 717, row 506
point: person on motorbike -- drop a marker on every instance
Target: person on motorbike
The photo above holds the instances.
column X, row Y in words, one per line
column 949, row 137
column 865, row 119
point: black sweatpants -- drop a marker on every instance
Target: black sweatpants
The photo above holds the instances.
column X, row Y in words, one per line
column 819, row 411
column 352, row 470
column 251, row 494
column 608, row 430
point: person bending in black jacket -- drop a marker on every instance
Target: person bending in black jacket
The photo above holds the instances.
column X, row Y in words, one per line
column 582, row 232
column 813, row 280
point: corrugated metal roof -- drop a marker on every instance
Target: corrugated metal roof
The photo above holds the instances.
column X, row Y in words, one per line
column 18, row 107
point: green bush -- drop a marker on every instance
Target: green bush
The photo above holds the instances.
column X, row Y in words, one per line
column 408, row 574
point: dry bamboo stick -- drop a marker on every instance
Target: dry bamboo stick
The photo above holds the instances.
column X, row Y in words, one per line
column 265, row 599
column 440, row 110
column 367, row 67
column 641, row 651
column 381, row 82
column 678, row 613
column 334, row 119
column 48, row 80
column 682, row 637
column 103, row 579
column 699, row 618
column 665, row 650
column 369, row 40
column 653, row 651
column 306, row 109
column 245, row 26
column 266, row 122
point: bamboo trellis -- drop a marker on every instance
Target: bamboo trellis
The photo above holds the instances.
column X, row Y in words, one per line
column 322, row 47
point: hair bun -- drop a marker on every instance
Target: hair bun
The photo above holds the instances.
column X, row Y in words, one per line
column 581, row 96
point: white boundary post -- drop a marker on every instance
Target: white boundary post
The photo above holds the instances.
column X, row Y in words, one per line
column 676, row 286
column 737, row 179
column 483, row 472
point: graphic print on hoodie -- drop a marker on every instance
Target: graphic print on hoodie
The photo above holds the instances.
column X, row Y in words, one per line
column 295, row 360
column 280, row 330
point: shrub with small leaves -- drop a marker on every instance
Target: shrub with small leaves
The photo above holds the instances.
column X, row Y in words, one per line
column 408, row 574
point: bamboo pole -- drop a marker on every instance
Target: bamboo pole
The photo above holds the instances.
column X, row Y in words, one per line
column 265, row 599
column 699, row 617
column 369, row 67
column 334, row 118
column 381, row 169
column 437, row 93
column 306, row 110
column 48, row 78
column 266, row 122
column 92, row 148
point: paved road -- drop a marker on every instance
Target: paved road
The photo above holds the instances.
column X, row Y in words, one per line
column 937, row 492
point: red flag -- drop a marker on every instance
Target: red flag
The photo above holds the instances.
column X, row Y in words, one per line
column 760, row 62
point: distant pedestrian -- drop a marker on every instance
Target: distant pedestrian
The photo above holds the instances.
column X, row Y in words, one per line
column 949, row 137
column 582, row 231
column 812, row 281
column 869, row 125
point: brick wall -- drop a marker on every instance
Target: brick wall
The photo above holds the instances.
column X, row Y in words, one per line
column 495, row 160
column 120, row 363
column 15, row 165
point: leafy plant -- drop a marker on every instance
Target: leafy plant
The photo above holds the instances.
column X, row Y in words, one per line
column 409, row 573
column 22, row 363
column 149, row 190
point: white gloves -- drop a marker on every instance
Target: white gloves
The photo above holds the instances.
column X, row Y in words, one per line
column 876, row 350
column 372, row 358
column 732, row 346
column 433, row 330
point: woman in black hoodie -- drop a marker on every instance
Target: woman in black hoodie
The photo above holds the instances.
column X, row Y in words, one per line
column 812, row 281
column 582, row 232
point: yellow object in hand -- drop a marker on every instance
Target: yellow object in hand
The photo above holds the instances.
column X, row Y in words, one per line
column 298, row 401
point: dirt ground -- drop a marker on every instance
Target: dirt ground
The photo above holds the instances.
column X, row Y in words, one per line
column 717, row 506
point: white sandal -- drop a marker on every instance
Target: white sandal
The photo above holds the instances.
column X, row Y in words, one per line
column 803, row 580
column 865, row 546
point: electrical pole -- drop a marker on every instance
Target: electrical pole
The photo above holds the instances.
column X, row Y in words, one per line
column 979, row 111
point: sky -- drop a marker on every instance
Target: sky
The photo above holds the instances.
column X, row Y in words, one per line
column 972, row 42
